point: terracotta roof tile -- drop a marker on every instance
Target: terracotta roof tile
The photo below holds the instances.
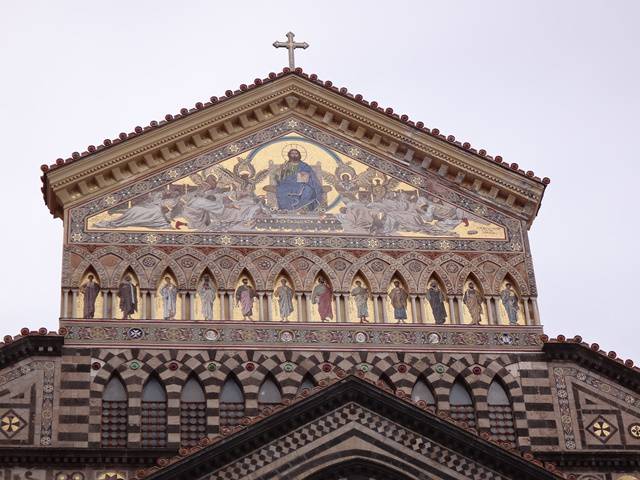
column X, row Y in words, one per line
column 184, row 112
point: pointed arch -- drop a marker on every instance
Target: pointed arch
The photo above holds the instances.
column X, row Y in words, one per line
column 193, row 412
column 422, row 391
column 231, row 401
column 461, row 403
column 115, row 413
column 238, row 310
column 360, row 303
column 270, row 392
column 153, row 413
column 206, row 288
column 501, row 418
column 168, row 304
column 398, row 271
column 283, row 269
column 307, row 383
column 474, row 304
column 284, row 290
column 128, row 299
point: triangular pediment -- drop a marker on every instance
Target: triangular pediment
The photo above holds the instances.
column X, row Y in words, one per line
column 405, row 147
column 291, row 178
column 350, row 423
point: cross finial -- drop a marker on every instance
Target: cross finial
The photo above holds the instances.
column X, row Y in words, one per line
column 291, row 46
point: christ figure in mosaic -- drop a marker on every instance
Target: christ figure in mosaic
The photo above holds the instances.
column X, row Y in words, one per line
column 245, row 294
column 284, row 294
column 473, row 299
column 360, row 296
column 169, row 294
column 399, row 296
column 207, row 297
column 90, row 291
column 128, row 294
column 510, row 303
column 436, row 300
column 297, row 187
column 322, row 295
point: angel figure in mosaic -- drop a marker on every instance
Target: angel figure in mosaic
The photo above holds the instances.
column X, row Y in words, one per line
column 377, row 185
column 243, row 179
column 344, row 180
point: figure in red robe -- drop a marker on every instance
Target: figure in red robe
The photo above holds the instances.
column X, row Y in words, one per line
column 323, row 296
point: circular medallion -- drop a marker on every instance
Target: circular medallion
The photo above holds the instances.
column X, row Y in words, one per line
column 135, row 365
column 360, row 337
column 135, row 333
column 212, row 335
column 439, row 368
column 250, row 367
column 433, row 338
column 364, row 367
column 476, row 370
column 212, row 366
column 286, row 336
column 634, row 430
column 288, row 367
column 326, row 367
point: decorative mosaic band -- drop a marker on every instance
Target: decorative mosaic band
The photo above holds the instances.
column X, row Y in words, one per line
column 316, row 336
column 78, row 233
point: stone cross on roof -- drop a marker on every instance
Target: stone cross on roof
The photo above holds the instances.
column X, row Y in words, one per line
column 291, row 46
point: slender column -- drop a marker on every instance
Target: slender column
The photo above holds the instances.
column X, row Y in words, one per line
column 536, row 312
column 192, row 305
column 375, row 309
column 492, row 319
column 220, row 295
column 74, row 303
column 152, row 305
column 270, row 313
column 308, row 302
column 452, row 313
column 260, row 306
column 414, row 310
column 112, row 303
column 424, row 310
column 385, row 316
column 105, row 299
column 231, row 302
column 65, row 304
column 527, row 317
column 460, row 310
column 345, row 302
column 336, row 298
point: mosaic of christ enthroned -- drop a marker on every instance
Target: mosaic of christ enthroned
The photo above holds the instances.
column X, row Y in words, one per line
column 294, row 184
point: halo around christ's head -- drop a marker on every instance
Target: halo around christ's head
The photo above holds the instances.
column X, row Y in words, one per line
column 293, row 146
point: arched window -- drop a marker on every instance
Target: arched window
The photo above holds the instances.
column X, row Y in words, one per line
column 422, row 391
column 231, row 402
column 114, row 422
column 307, row 383
column 461, row 405
column 153, row 411
column 193, row 413
column 269, row 393
column 500, row 413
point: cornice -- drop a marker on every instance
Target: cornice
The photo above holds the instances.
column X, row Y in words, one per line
column 70, row 457
column 591, row 357
column 29, row 344
column 197, row 131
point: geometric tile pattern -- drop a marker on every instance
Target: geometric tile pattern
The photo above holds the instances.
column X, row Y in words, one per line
column 602, row 429
column 396, row 435
column 11, row 423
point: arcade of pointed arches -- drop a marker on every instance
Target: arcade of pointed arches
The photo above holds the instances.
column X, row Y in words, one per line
column 376, row 274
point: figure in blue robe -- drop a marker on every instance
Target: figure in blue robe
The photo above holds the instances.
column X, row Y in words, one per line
column 297, row 186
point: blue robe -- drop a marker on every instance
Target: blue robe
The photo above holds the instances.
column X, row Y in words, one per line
column 293, row 193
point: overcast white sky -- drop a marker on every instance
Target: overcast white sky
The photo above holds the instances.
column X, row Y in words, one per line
column 551, row 85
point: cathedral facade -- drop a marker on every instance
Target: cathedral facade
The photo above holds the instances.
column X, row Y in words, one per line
column 292, row 282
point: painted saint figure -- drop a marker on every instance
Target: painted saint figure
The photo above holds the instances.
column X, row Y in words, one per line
column 245, row 295
column 436, row 300
column 510, row 303
column 399, row 296
column 284, row 294
column 169, row 294
column 473, row 299
column 207, row 297
column 128, row 294
column 360, row 296
column 297, row 186
column 90, row 291
column 322, row 295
